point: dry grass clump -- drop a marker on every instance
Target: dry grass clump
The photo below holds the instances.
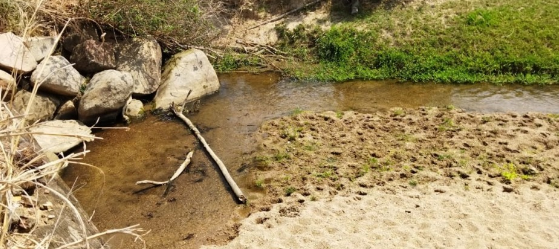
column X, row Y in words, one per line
column 37, row 17
column 174, row 23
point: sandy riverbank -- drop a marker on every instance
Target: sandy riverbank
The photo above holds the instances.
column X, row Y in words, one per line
column 428, row 177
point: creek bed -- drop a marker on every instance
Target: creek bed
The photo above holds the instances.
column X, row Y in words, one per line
column 199, row 209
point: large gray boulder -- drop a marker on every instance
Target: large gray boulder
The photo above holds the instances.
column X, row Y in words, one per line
column 58, row 76
column 142, row 59
column 93, row 56
column 42, row 108
column 14, row 55
column 41, row 46
column 186, row 71
column 105, row 95
column 7, row 85
column 60, row 135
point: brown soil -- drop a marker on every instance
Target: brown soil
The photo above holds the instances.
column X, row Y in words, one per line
column 311, row 156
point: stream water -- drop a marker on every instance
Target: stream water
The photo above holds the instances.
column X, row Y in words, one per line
column 198, row 206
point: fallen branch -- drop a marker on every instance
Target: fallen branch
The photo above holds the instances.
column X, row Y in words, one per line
column 284, row 14
column 269, row 62
column 177, row 173
column 230, row 181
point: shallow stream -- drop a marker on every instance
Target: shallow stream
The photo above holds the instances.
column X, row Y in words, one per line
column 198, row 206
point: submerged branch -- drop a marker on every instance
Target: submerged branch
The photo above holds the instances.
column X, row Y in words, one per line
column 241, row 197
column 177, row 173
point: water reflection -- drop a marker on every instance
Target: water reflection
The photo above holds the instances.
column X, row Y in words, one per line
column 510, row 98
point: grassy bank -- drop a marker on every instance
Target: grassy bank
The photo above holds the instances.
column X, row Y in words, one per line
column 461, row 41
column 443, row 41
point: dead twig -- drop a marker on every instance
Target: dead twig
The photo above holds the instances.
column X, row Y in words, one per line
column 268, row 48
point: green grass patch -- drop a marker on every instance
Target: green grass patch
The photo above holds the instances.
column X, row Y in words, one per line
column 281, row 156
column 290, row 190
column 457, row 41
column 259, row 183
column 510, row 172
column 448, row 124
column 296, row 111
column 231, row 61
column 291, row 133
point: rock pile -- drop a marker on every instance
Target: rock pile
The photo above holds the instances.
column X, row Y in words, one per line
column 97, row 80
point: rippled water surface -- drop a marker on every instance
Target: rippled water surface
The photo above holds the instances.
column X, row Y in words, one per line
column 199, row 205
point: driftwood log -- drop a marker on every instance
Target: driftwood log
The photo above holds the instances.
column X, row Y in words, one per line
column 240, row 196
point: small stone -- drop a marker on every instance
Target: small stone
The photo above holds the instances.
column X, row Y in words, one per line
column 26, row 224
column 133, row 110
column 463, row 174
column 507, row 189
column 438, row 190
column 66, row 111
column 530, row 170
column 336, row 152
column 46, row 206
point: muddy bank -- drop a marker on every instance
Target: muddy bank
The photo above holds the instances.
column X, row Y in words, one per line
column 456, row 168
column 320, row 154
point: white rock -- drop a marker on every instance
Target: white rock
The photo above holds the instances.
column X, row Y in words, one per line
column 58, row 76
column 60, row 135
column 15, row 55
column 185, row 71
column 40, row 47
